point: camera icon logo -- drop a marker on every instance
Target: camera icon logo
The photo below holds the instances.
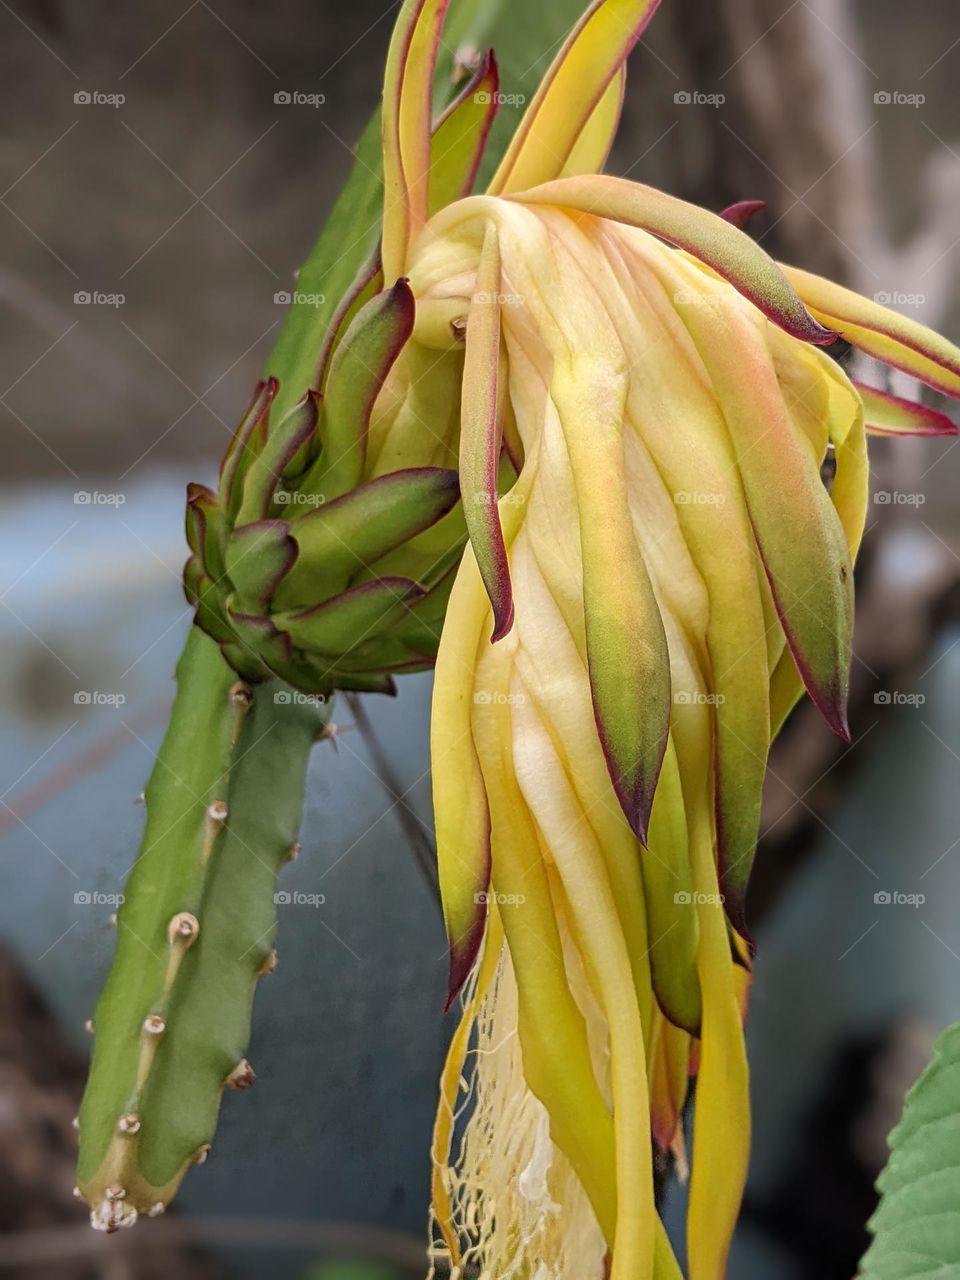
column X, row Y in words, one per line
column 282, row 697
column 82, row 98
column 82, row 698
column 282, row 898
column 82, row 898
column 682, row 898
column 882, row 898
column 282, row 298
column 683, row 98
column 883, row 698
column 282, row 98
column 882, row 98
column 82, row 298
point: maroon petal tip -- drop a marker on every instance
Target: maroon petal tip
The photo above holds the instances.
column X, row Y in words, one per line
column 503, row 621
column 741, row 211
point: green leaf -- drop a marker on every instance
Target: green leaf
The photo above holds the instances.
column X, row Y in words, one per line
column 916, row 1228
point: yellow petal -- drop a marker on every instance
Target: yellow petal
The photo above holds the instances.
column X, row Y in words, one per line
column 887, row 335
column 575, row 83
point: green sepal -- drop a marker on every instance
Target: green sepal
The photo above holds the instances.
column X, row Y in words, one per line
column 342, row 537
column 338, row 625
column 361, row 362
column 287, row 440
column 255, row 640
column 207, row 529
column 248, row 439
column 257, row 557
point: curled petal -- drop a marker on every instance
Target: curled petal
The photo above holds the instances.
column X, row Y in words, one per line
column 711, row 239
column 405, row 127
column 889, row 415
column 480, row 435
column 888, row 336
column 461, row 814
column 800, row 539
column 627, row 656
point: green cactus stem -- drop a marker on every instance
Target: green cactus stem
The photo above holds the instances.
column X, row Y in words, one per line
column 195, row 933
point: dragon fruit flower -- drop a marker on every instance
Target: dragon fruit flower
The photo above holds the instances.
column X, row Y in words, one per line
column 656, row 571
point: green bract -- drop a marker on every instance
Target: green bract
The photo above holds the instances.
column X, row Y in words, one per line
column 299, row 566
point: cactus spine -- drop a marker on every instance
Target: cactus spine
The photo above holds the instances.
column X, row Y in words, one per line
column 195, row 933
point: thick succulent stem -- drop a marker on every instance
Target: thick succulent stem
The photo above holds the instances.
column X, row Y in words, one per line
column 195, row 932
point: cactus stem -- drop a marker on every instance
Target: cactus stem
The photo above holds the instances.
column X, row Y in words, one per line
column 174, row 1018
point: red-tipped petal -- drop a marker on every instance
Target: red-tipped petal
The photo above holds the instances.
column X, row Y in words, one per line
column 717, row 243
column 889, row 415
column 480, row 436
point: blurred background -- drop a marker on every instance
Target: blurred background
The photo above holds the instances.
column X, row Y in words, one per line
column 158, row 194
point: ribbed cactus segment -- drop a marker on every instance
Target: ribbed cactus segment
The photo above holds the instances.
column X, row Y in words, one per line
column 194, row 933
